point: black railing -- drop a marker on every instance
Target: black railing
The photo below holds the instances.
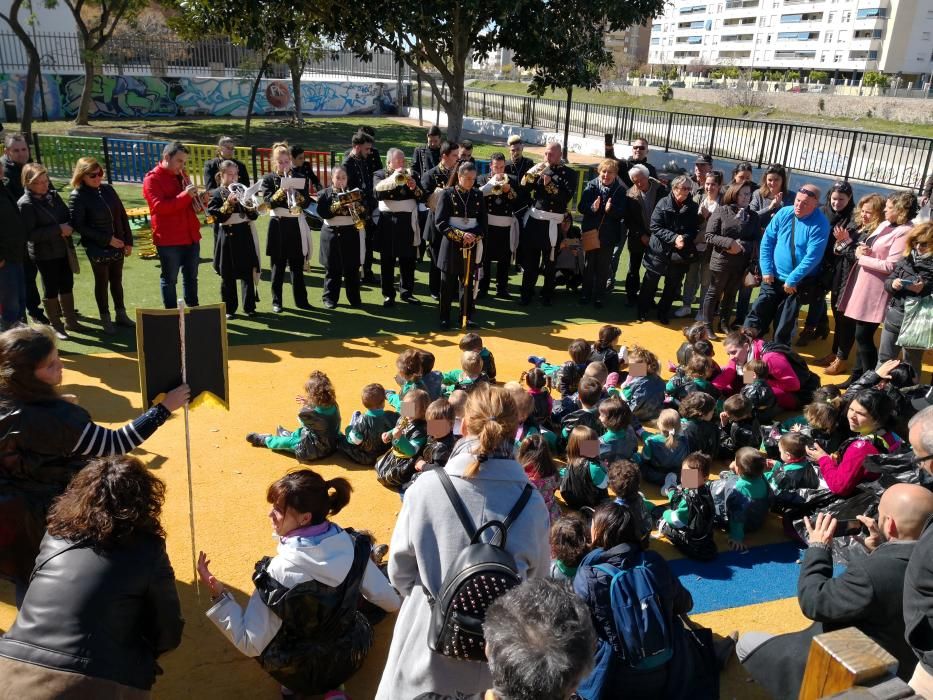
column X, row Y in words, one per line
column 886, row 159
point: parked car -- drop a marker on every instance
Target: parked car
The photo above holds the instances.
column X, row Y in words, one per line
column 653, row 83
column 703, row 85
column 797, row 88
column 818, row 88
column 678, row 84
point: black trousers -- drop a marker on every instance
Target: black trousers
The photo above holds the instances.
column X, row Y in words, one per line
column 340, row 256
column 720, row 295
column 867, row 350
column 596, row 273
column 228, row 293
column 673, row 281
column 636, row 252
column 296, row 266
column 843, row 335
column 33, row 301
column 372, row 237
column 57, row 277
column 108, row 274
column 454, row 286
column 496, row 250
column 434, row 274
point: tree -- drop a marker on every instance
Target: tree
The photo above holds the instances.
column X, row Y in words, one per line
column 875, row 79
column 818, row 76
column 665, row 92
column 16, row 16
column 96, row 21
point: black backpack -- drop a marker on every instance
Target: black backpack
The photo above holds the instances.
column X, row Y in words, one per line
column 696, row 539
column 809, row 382
column 480, row 574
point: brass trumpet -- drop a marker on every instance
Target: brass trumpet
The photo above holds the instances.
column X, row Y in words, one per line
column 352, row 203
column 499, row 184
column 535, row 172
column 401, row 177
column 198, row 202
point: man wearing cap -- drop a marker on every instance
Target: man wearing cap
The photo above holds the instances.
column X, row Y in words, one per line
column 639, row 157
column 918, row 582
column 791, row 253
column 701, row 168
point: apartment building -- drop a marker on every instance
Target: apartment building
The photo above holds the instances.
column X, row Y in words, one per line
column 842, row 37
column 630, row 46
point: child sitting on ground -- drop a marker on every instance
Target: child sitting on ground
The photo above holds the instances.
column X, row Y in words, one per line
column 819, row 424
column 738, row 428
column 524, row 405
column 457, row 400
column 432, row 378
column 535, row 457
column 540, row 391
column 469, row 376
column 362, row 442
column 692, row 333
column 604, row 349
column 695, row 377
column 696, row 412
column 409, row 364
column 569, row 544
column 625, row 482
column 588, row 413
column 791, row 476
column 439, row 417
column 741, row 496
column 664, row 451
column 688, row 521
column 583, row 482
column 620, row 440
column 644, row 394
column 759, row 392
column 473, row 341
column 408, row 438
column 568, row 404
column 320, row 423
column 567, row 376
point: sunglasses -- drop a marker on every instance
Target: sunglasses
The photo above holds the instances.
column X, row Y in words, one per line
column 94, row 176
column 639, row 148
column 808, row 193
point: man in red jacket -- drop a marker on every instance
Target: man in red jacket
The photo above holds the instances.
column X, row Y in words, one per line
column 176, row 230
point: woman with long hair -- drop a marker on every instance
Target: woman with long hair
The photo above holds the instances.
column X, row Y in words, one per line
column 49, row 244
column 102, row 605
column 697, row 279
column 429, row 535
column 46, row 439
column 99, row 217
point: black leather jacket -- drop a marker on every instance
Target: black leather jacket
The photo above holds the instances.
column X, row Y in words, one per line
column 97, row 216
column 106, row 613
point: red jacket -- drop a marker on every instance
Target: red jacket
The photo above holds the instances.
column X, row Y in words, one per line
column 173, row 219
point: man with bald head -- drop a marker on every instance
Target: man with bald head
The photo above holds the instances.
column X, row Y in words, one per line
column 790, row 256
column 868, row 595
column 918, row 582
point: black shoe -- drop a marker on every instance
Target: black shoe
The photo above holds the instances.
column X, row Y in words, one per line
column 598, row 304
column 410, row 299
column 257, row 439
column 369, row 279
column 482, row 294
column 524, row 301
column 471, row 323
column 546, row 301
column 230, row 317
column 328, row 304
column 282, row 431
column 251, row 314
column 584, row 301
column 664, row 318
column 503, row 295
column 356, row 304
column 38, row 316
column 642, row 318
column 445, row 325
column 303, row 305
column 388, row 301
column 277, row 308
column 435, row 297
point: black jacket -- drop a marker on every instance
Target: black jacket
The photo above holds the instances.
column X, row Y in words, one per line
column 723, row 229
column 909, row 268
column 43, row 217
column 106, row 613
column 13, row 236
column 609, row 223
column 870, row 595
column 97, row 216
column 212, row 166
column 13, row 173
column 667, row 222
column 918, row 599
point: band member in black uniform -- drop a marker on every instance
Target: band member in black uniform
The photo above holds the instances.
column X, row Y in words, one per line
column 236, row 243
column 551, row 186
column 225, row 150
column 374, row 158
column 300, row 165
column 360, row 175
column 434, row 180
column 461, row 220
column 465, row 154
column 604, row 206
column 289, row 239
column 518, row 164
column 398, row 195
column 427, row 157
column 501, row 193
column 342, row 242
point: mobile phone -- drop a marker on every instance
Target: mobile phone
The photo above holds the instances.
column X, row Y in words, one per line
column 847, row 527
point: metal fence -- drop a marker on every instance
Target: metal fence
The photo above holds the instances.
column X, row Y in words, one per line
column 61, row 53
column 885, row 159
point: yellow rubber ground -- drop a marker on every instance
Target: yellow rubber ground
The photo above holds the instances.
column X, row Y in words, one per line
column 230, row 481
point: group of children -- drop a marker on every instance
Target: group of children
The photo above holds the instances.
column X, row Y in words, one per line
column 582, row 433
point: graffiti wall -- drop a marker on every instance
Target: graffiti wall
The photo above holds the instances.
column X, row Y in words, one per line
column 133, row 96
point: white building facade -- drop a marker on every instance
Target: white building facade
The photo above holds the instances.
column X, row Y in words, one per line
column 842, row 37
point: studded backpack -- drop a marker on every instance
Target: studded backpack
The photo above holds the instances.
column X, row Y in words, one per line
column 481, row 573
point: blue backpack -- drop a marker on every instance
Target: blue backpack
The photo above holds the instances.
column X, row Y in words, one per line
column 642, row 636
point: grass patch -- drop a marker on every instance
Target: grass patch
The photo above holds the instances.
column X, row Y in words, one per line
column 615, row 97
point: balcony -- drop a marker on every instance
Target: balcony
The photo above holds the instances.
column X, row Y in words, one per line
column 869, row 23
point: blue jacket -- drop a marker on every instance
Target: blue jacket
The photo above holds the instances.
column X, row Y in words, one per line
column 810, row 236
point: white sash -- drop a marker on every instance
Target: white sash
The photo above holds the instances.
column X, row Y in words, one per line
column 509, row 222
column 400, row 206
column 336, row 221
column 307, row 247
column 467, row 225
column 234, row 219
column 553, row 218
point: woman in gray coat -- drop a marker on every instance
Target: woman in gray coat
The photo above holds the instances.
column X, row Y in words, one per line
column 428, row 537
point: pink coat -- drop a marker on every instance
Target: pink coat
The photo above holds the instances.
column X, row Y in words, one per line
column 864, row 298
column 781, row 377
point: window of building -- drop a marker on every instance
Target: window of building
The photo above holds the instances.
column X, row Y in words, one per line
column 798, row 36
column 655, row 40
column 837, row 57
column 846, row 16
column 803, row 55
column 829, row 36
column 870, row 12
column 692, row 9
column 831, row 16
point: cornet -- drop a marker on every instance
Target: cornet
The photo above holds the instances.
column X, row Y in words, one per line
column 535, row 172
column 401, row 177
column 352, row 203
column 498, row 183
column 197, row 201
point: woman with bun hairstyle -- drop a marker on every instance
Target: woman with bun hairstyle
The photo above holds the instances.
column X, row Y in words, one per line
column 429, row 536
column 302, row 622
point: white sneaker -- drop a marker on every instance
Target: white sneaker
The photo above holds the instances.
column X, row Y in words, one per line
column 683, row 312
column 670, row 481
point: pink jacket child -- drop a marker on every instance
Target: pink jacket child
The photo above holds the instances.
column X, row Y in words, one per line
column 864, row 297
column 846, row 470
column 781, row 376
